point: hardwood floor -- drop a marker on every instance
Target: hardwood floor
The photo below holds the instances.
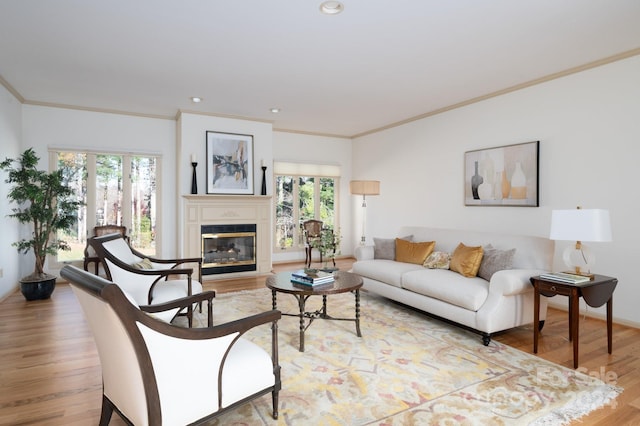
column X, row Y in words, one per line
column 50, row 371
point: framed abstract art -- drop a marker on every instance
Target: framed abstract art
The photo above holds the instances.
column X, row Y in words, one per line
column 502, row 176
column 229, row 163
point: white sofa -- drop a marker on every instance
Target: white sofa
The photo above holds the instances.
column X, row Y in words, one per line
column 504, row 302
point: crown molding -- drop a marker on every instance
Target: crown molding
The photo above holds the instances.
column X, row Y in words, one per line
column 212, row 114
column 11, row 90
column 93, row 109
column 301, row 132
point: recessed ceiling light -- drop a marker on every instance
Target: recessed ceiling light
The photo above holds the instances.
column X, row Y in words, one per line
column 196, row 99
column 275, row 110
column 331, row 7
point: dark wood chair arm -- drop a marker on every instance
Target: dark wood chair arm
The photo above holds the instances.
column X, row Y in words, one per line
column 163, row 260
column 160, row 272
column 184, row 302
column 238, row 326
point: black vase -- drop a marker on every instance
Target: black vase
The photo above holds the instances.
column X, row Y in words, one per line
column 476, row 181
column 38, row 290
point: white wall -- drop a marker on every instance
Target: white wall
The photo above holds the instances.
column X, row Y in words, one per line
column 46, row 127
column 589, row 130
column 295, row 147
column 10, row 136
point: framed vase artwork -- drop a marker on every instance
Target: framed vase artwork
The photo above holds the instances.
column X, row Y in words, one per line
column 229, row 163
column 502, row 176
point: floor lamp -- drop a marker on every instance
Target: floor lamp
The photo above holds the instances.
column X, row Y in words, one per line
column 364, row 188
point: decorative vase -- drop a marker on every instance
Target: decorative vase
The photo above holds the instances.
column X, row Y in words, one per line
column 194, row 182
column 497, row 186
column 485, row 190
column 476, row 180
column 487, row 168
column 506, row 186
column 263, row 190
column 518, row 183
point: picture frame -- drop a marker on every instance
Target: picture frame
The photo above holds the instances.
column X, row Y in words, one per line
column 502, row 176
column 229, row 163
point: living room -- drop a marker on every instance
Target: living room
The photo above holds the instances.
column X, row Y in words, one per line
column 586, row 120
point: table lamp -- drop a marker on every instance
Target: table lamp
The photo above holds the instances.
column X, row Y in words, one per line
column 580, row 225
column 364, row 188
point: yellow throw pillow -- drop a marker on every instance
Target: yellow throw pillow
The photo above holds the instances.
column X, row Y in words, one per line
column 143, row 264
column 466, row 260
column 409, row 252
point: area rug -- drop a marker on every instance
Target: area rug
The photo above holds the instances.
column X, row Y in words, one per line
column 406, row 369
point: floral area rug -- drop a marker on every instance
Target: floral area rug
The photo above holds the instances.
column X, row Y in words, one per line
column 406, row 369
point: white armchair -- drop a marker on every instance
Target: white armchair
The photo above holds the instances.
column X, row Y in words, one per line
column 144, row 360
column 146, row 279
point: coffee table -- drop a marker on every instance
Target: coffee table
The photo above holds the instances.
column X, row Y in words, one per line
column 344, row 282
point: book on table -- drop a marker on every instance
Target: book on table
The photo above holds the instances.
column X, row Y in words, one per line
column 302, row 276
column 565, row 277
column 307, row 285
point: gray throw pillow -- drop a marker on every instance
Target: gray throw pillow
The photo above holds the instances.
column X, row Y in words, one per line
column 385, row 248
column 495, row 260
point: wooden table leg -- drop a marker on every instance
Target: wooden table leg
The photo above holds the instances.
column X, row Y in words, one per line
column 574, row 325
column 358, row 313
column 536, row 317
column 301, row 303
column 274, row 301
column 610, row 324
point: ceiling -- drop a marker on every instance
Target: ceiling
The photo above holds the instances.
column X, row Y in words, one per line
column 376, row 64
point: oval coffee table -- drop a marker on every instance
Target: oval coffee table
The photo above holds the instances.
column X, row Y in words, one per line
column 344, row 282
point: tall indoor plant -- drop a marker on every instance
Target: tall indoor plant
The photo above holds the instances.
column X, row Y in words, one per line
column 46, row 202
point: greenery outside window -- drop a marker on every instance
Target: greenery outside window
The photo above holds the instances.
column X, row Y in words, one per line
column 107, row 182
column 301, row 196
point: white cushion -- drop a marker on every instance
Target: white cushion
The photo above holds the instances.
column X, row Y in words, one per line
column 121, row 250
column 248, row 369
column 387, row 271
column 448, row 286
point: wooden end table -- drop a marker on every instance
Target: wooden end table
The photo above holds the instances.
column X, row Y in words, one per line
column 595, row 293
column 344, row 282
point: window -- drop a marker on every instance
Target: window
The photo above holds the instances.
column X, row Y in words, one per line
column 303, row 192
column 110, row 198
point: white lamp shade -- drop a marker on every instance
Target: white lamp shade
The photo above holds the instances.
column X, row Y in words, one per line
column 365, row 187
column 580, row 225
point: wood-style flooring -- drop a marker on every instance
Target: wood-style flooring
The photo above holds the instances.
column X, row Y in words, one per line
column 50, row 371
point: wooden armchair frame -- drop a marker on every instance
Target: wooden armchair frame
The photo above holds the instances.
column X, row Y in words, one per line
column 98, row 231
column 137, row 354
column 162, row 270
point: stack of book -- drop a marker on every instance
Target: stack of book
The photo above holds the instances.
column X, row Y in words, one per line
column 311, row 278
column 565, row 277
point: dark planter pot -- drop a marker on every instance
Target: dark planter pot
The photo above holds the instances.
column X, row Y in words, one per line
column 38, row 290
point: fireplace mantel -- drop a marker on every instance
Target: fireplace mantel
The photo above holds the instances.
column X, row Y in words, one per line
column 229, row 209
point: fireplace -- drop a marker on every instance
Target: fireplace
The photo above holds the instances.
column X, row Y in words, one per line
column 228, row 248
column 207, row 210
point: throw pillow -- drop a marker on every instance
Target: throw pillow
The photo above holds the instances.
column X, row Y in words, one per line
column 409, row 252
column 143, row 264
column 466, row 260
column 385, row 248
column 437, row 260
column 495, row 260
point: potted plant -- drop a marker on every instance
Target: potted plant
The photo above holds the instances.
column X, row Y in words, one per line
column 46, row 202
column 328, row 245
